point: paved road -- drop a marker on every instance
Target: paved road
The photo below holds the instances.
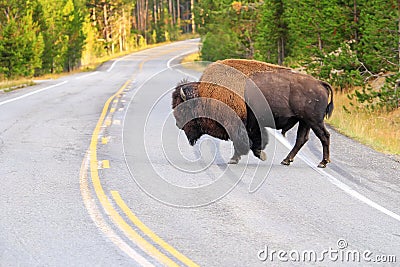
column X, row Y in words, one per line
column 95, row 172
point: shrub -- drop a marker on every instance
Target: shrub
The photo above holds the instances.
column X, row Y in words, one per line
column 385, row 98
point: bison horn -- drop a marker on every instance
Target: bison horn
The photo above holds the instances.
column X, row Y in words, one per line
column 183, row 96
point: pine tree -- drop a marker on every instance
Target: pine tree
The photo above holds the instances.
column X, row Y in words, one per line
column 54, row 36
column 73, row 22
column 227, row 28
column 272, row 33
column 315, row 27
column 379, row 35
column 21, row 43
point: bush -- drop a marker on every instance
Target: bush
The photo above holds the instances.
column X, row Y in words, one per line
column 218, row 46
column 341, row 67
column 385, row 98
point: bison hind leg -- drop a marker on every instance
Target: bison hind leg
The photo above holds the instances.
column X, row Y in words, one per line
column 324, row 136
column 323, row 163
column 286, row 161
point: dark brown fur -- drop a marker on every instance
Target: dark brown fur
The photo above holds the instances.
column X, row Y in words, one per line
column 296, row 98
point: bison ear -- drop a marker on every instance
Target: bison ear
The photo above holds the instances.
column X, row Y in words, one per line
column 183, row 96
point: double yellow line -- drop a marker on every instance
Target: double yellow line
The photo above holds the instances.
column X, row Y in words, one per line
column 115, row 216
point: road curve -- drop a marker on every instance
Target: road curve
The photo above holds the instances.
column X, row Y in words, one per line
column 95, row 172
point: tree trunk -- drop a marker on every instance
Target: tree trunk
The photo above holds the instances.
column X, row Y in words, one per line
column 146, row 10
column 192, row 11
column 174, row 12
column 106, row 28
column 178, row 13
column 155, row 12
column 139, row 25
column 281, row 50
column 170, row 11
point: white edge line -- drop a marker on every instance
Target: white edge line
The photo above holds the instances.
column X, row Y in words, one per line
column 336, row 182
column 112, row 65
column 87, row 75
column 178, row 56
column 31, row 93
column 115, row 62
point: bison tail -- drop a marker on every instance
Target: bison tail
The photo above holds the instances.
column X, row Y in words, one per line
column 329, row 108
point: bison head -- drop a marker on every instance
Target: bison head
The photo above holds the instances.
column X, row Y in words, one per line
column 185, row 115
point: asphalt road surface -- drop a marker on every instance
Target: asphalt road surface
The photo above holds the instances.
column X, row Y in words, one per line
column 94, row 172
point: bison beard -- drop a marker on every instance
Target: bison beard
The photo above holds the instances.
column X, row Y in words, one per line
column 292, row 98
column 195, row 128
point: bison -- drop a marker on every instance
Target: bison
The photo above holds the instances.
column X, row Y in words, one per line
column 258, row 95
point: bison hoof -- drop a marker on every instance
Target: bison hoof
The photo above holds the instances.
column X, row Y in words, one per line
column 323, row 163
column 260, row 154
column 286, row 162
column 234, row 160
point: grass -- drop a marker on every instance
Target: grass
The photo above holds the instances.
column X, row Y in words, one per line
column 191, row 58
column 379, row 130
column 11, row 85
column 187, row 36
column 193, row 62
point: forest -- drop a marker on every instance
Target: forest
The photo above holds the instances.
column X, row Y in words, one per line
column 51, row 36
column 345, row 42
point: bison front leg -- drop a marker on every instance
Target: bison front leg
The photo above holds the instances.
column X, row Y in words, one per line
column 302, row 137
column 240, row 144
column 235, row 159
column 259, row 140
column 241, row 148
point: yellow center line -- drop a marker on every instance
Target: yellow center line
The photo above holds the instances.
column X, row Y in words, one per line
column 98, row 219
column 103, row 198
column 105, row 164
column 108, row 207
column 135, row 220
column 104, row 140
